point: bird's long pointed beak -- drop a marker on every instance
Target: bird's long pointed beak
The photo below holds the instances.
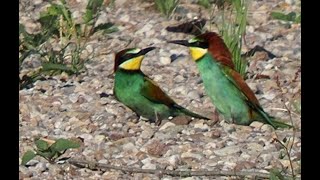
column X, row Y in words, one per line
column 146, row 50
column 181, row 42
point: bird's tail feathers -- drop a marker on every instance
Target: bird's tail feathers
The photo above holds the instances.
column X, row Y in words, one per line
column 275, row 123
column 189, row 113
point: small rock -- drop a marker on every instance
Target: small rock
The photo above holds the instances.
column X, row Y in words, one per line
column 290, row 2
column 99, row 138
column 188, row 178
column 129, row 147
column 266, row 157
column 267, row 128
column 290, row 37
column 37, row 2
column 191, row 155
column 147, row 133
column 285, row 162
column 194, row 95
column 165, row 60
column 166, row 125
column 227, row 150
column 125, row 18
column 73, row 97
column 157, row 148
column 32, row 162
column 179, row 79
column 104, row 101
column 244, row 165
column 41, row 167
column 149, row 166
column 120, row 3
column 181, row 120
column 269, row 96
column 255, row 147
column 174, row 160
column 269, row 66
column 201, row 125
column 250, row 29
column 211, row 145
column 256, row 124
column 57, row 124
column 253, row 86
column 86, row 137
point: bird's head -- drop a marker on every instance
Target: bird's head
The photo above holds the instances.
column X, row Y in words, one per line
column 198, row 46
column 208, row 42
column 130, row 59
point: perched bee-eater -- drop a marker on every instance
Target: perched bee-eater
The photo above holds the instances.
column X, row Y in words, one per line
column 228, row 91
column 138, row 92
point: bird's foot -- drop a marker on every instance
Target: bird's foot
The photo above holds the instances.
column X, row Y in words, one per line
column 157, row 120
column 215, row 118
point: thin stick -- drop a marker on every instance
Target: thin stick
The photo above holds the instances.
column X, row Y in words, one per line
column 293, row 129
column 281, row 109
column 94, row 166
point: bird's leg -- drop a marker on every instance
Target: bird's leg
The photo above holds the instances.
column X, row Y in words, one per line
column 158, row 121
column 216, row 116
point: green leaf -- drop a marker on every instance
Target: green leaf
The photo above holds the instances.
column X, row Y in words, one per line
column 106, row 28
column 284, row 17
column 204, row 3
column 88, row 16
column 48, row 154
column 64, row 144
column 111, row 30
column 54, row 9
column 166, row 7
column 92, row 9
column 49, row 24
column 94, row 5
column 63, row 2
column 276, row 175
column 41, row 145
column 27, row 157
column 52, row 66
column 78, row 29
column 298, row 19
column 22, row 29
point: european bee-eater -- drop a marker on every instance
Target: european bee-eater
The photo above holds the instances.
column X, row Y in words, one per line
column 138, row 92
column 228, row 91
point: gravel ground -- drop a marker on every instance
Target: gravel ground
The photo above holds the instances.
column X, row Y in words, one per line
column 84, row 106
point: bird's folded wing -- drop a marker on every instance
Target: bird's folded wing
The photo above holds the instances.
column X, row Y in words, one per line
column 152, row 91
column 239, row 83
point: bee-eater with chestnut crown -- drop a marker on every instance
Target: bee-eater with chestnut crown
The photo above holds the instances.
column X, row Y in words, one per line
column 138, row 92
column 228, row 91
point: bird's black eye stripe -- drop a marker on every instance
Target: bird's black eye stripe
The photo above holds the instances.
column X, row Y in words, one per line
column 200, row 44
column 128, row 56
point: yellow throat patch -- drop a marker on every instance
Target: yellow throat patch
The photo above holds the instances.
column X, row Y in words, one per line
column 132, row 64
column 197, row 52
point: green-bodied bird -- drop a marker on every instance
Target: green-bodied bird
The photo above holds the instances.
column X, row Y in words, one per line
column 230, row 94
column 138, row 92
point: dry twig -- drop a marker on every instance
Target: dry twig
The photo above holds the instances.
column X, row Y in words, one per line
column 94, row 166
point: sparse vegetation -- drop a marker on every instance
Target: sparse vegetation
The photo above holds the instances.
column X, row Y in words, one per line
column 49, row 149
column 232, row 30
column 167, row 7
column 232, row 20
column 58, row 28
column 290, row 17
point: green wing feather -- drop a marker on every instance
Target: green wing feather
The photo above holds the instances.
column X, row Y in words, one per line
column 249, row 97
column 152, row 91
